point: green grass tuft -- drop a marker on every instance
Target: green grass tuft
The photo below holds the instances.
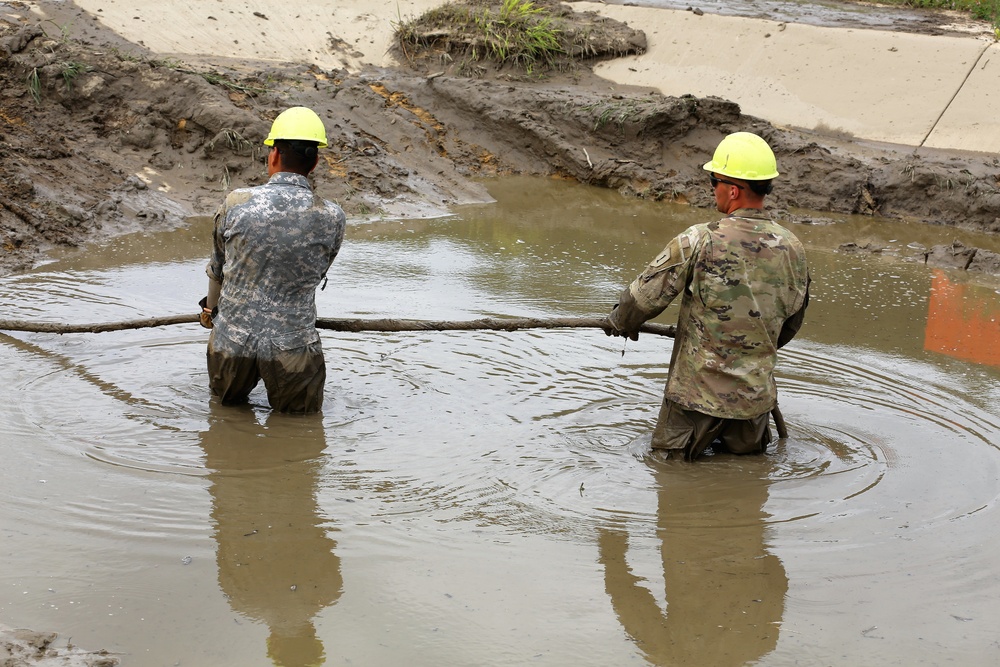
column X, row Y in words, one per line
column 516, row 32
column 34, row 85
column 985, row 10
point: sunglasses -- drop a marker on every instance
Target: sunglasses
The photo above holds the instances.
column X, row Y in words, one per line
column 715, row 182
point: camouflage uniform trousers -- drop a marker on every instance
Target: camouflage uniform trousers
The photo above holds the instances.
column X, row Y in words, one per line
column 683, row 433
column 294, row 378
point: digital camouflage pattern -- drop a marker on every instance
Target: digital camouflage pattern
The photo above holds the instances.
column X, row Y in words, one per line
column 745, row 284
column 272, row 246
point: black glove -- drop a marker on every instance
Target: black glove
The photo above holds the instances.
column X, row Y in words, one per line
column 206, row 315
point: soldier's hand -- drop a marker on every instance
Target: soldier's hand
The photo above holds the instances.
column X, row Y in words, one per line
column 610, row 330
column 206, row 314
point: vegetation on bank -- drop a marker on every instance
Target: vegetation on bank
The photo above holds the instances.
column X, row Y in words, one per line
column 986, row 10
column 529, row 36
column 516, row 32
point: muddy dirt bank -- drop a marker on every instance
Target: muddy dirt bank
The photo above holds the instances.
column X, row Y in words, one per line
column 100, row 136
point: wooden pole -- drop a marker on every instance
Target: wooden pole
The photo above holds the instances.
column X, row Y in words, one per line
column 47, row 327
column 383, row 325
column 779, row 423
column 484, row 324
column 350, row 325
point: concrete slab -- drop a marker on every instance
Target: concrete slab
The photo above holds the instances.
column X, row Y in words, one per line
column 972, row 120
column 331, row 35
column 882, row 86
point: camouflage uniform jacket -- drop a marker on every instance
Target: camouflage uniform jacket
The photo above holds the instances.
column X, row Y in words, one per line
column 272, row 246
column 745, row 285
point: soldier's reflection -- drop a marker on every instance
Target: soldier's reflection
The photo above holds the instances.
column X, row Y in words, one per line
column 724, row 592
column 276, row 563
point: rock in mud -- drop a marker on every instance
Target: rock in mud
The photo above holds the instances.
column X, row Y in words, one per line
column 954, row 256
column 985, row 261
column 868, row 248
column 27, row 648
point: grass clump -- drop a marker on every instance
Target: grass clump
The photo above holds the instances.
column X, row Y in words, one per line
column 235, row 142
column 217, row 79
column 71, row 70
column 621, row 114
column 512, row 32
column 34, row 85
column 985, row 10
column 616, row 113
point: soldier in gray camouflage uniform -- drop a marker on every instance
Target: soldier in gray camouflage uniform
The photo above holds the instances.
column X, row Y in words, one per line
column 273, row 245
column 745, row 285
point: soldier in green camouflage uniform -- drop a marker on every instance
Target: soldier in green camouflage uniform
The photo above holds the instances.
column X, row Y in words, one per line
column 272, row 246
column 745, row 283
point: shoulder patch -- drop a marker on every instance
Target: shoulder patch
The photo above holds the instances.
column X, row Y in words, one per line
column 663, row 257
column 237, row 197
column 676, row 252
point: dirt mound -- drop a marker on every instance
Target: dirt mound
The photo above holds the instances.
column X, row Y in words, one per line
column 100, row 137
column 512, row 40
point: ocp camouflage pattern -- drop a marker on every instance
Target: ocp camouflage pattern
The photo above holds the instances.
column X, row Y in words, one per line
column 272, row 246
column 742, row 277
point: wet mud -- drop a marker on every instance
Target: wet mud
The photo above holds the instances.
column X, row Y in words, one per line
column 42, row 649
column 99, row 136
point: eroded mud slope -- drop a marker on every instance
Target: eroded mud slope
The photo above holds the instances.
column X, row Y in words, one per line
column 99, row 136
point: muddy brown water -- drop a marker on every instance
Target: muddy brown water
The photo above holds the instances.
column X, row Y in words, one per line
column 479, row 498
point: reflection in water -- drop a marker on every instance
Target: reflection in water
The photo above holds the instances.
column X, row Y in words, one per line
column 961, row 325
column 276, row 563
column 724, row 592
column 883, row 505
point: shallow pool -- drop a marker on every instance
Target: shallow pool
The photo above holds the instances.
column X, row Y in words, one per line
column 482, row 498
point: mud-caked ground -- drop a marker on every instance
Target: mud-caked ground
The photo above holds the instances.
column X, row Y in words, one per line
column 99, row 136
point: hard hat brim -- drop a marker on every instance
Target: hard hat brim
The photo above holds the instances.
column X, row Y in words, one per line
column 270, row 140
column 711, row 166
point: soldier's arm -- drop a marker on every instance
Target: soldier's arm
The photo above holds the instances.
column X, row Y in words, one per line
column 341, row 225
column 214, row 270
column 792, row 325
column 655, row 288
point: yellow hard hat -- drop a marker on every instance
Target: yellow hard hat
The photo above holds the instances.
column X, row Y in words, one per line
column 297, row 123
column 744, row 155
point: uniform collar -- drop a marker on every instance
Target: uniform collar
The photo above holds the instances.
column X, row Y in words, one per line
column 750, row 213
column 288, row 178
